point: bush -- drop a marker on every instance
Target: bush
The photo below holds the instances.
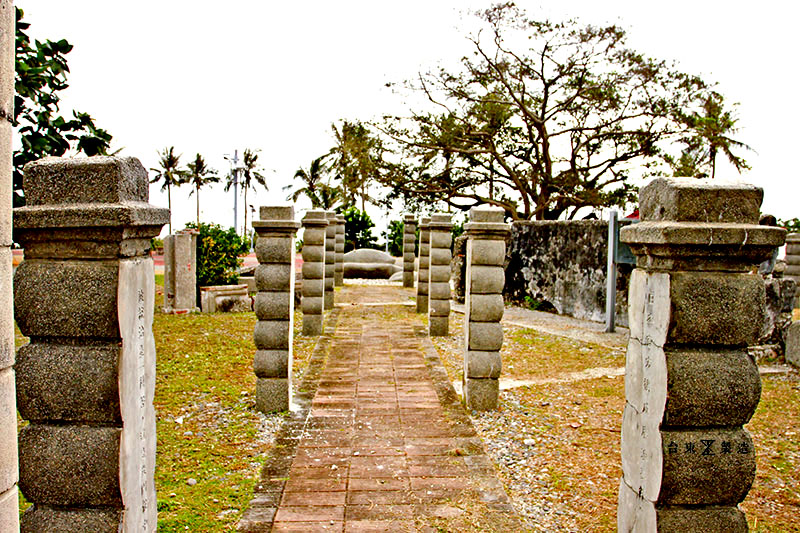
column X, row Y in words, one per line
column 395, row 238
column 358, row 230
column 218, row 252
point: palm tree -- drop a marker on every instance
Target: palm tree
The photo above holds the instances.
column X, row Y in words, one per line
column 200, row 175
column 321, row 194
column 249, row 178
column 356, row 158
column 170, row 173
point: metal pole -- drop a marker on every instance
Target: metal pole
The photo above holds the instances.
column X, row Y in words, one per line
column 611, row 272
column 235, row 191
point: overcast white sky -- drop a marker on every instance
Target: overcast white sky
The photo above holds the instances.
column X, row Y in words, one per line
column 211, row 77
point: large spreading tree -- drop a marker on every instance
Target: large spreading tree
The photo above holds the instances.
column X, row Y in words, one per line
column 41, row 74
column 543, row 119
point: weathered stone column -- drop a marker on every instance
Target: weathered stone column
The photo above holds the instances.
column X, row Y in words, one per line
column 9, row 510
column 483, row 334
column 314, row 229
column 690, row 385
column 424, row 263
column 330, row 258
column 441, row 238
column 409, row 236
column 180, row 272
column 793, row 262
column 85, row 297
column 274, row 307
column 338, row 273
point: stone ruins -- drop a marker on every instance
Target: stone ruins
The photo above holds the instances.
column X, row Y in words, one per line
column 330, row 258
column 85, row 382
column 424, row 263
column 409, row 237
column 180, row 272
column 315, row 226
column 690, row 384
column 441, row 239
column 274, row 307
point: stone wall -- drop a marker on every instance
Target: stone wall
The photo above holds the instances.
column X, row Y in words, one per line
column 561, row 265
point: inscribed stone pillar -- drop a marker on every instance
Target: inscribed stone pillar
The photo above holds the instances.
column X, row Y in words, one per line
column 483, row 333
column 9, row 510
column 330, row 258
column 314, row 229
column 85, row 382
column 441, row 238
column 180, row 272
column 424, row 263
column 690, row 385
column 338, row 273
column 274, row 306
column 793, row 262
column 409, row 237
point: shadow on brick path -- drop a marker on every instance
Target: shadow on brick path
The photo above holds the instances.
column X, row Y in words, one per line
column 381, row 442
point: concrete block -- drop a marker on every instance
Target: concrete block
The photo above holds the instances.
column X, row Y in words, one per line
column 700, row 520
column 8, row 432
column 481, row 394
column 271, row 335
column 793, row 344
column 483, row 364
column 314, row 237
column 9, row 510
column 488, row 252
column 276, row 212
column 313, row 254
column 422, row 301
column 441, row 239
column 700, row 200
column 272, row 395
column 273, row 277
column 313, row 288
column 439, row 273
column 486, row 307
column 69, row 383
column 273, row 305
column 486, row 279
column 716, row 308
column 73, row 299
column 6, row 308
column 438, row 326
column 485, row 336
column 438, row 291
column 440, row 256
column 486, row 213
column 271, row 363
column 74, row 466
column 43, row 519
column 312, row 325
column 713, row 387
column 274, row 249
column 694, row 457
column 439, row 307
column 312, row 305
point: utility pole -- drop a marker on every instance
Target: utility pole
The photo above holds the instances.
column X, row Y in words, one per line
column 235, row 170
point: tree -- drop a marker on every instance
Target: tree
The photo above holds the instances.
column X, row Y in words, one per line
column 251, row 176
column 170, row 174
column 41, row 73
column 321, row 194
column 358, row 229
column 357, row 158
column 218, row 252
column 541, row 130
column 709, row 134
column 200, row 175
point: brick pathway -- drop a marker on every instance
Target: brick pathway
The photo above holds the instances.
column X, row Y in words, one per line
column 383, row 444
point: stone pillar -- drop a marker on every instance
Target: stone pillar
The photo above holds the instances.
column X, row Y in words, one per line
column 314, row 229
column 793, row 262
column 85, row 297
column 483, row 334
column 274, row 306
column 180, row 272
column 441, row 238
column 409, row 236
column 690, row 385
column 9, row 510
column 338, row 273
column 330, row 258
column 424, row 263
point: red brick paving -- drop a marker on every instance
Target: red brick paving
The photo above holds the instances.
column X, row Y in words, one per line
column 383, row 439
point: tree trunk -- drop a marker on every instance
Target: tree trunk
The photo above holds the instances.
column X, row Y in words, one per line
column 169, row 205
column 197, row 197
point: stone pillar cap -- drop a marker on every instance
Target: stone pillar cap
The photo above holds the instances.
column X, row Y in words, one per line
column 487, row 213
column 488, row 229
column 409, row 219
column 793, row 237
column 700, row 200
column 276, row 212
column 440, row 221
column 424, row 221
column 340, row 219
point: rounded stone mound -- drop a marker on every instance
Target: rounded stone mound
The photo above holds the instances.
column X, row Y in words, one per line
column 370, row 270
column 367, row 255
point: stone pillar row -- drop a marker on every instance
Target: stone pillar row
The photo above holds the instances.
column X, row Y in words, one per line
column 409, row 237
column 274, row 307
column 424, row 263
column 483, row 332
column 441, row 238
column 338, row 277
column 315, row 225
column 793, row 262
column 690, row 384
column 85, row 382
column 9, row 510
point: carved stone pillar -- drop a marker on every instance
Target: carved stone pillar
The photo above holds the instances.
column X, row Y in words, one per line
column 441, row 238
column 690, row 384
column 409, row 237
column 330, row 258
column 274, row 307
column 315, row 225
column 338, row 274
column 180, row 272
column 85, row 296
column 424, row 263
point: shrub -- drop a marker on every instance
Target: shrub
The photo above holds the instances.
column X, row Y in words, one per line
column 358, row 230
column 218, row 252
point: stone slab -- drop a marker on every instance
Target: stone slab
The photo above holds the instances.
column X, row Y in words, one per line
column 727, row 519
column 8, row 432
column 793, row 344
column 45, row 519
column 9, row 510
column 700, row 200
